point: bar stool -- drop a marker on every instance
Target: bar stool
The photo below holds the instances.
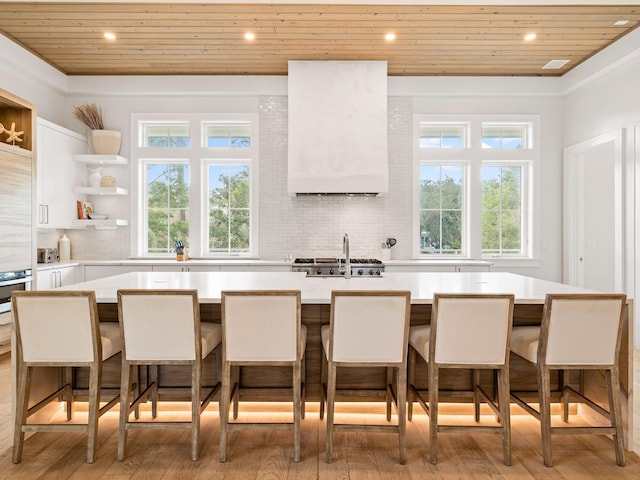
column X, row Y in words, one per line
column 468, row 331
column 367, row 328
column 60, row 329
column 162, row 327
column 578, row 332
column 261, row 328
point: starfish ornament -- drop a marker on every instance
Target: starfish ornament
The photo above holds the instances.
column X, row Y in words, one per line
column 13, row 135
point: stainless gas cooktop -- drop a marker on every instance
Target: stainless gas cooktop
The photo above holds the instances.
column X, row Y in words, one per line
column 335, row 267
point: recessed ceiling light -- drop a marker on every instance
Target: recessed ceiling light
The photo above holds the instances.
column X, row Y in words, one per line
column 390, row 36
column 530, row 36
column 555, row 64
column 249, row 36
column 109, row 36
column 619, row 23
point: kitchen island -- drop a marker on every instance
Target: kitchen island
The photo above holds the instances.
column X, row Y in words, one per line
column 316, row 297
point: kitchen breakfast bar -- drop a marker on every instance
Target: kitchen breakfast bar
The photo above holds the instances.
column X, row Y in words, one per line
column 316, row 297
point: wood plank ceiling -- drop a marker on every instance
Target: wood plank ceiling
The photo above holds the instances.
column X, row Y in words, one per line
column 208, row 39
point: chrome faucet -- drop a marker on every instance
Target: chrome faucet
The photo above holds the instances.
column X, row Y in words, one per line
column 345, row 251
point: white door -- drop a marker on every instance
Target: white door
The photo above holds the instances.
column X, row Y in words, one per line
column 593, row 226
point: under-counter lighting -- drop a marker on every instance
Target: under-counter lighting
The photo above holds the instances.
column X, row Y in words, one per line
column 530, row 36
column 110, row 36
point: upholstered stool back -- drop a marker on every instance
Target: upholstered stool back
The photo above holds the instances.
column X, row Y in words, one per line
column 583, row 331
column 160, row 325
column 368, row 327
column 57, row 327
column 261, row 326
column 471, row 329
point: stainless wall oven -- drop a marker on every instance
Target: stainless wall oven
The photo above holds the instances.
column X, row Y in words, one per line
column 11, row 281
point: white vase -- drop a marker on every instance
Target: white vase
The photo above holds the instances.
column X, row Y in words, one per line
column 94, row 176
column 106, row 142
column 64, row 248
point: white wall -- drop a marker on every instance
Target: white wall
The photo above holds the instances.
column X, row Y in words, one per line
column 28, row 77
column 608, row 102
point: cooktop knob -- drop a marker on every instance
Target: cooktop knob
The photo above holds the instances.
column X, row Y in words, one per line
column 331, row 271
column 318, row 272
column 360, row 272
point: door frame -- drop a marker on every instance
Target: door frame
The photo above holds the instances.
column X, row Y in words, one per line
column 571, row 210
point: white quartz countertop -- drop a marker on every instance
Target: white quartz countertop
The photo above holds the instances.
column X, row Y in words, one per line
column 317, row 290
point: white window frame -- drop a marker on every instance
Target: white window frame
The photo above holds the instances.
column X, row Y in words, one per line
column 197, row 156
column 474, row 157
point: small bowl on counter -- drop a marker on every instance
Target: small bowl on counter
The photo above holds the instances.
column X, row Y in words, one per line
column 98, row 216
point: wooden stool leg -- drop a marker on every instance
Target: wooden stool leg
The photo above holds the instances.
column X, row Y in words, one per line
column 22, row 405
column 224, row 409
column 195, row 408
column 236, row 396
column 303, row 394
column 297, row 407
column 411, row 373
column 564, row 394
column 505, row 413
column 68, row 380
column 95, row 377
column 153, row 378
column 389, row 397
column 331, row 397
column 544, row 383
column 323, row 382
column 125, row 408
column 613, row 387
column 433, row 413
column 402, row 417
column 476, row 401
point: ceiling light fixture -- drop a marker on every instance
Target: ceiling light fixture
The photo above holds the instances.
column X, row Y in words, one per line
column 390, row 37
column 620, row 23
column 555, row 64
column 109, row 36
column 249, row 36
column 530, row 36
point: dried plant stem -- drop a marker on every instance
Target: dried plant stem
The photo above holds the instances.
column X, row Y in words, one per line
column 90, row 114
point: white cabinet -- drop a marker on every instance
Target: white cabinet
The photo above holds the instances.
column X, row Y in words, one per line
column 186, row 268
column 440, row 266
column 57, row 277
column 473, row 268
column 56, row 174
column 255, row 268
column 92, row 272
column 104, row 199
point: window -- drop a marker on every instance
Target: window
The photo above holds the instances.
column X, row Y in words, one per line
column 165, row 135
column 502, row 210
column 495, row 135
column 443, row 135
column 204, row 195
column 229, row 208
column 441, row 201
column 474, row 190
column 227, row 135
column 167, row 205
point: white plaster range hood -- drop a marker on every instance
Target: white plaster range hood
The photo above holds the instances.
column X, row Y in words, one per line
column 337, row 128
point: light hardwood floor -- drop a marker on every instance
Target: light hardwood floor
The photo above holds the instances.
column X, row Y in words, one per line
column 158, row 454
